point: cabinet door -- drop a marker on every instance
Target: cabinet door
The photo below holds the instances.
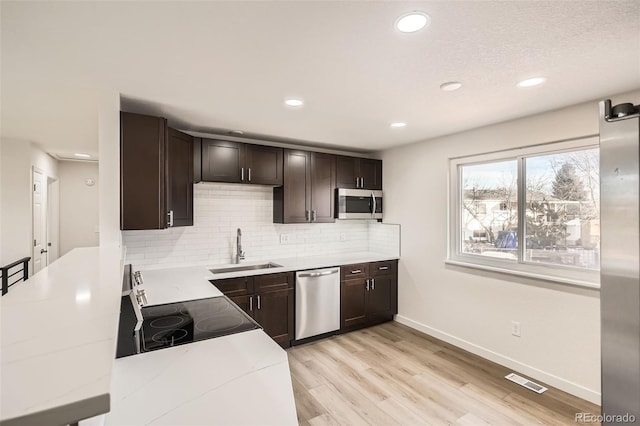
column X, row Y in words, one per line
column 296, row 197
column 142, row 172
column 263, row 165
column 271, row 282
column 180, row 178
column 244, row 302
column 382, row 298
column 371, row 173
column 352, row 303
column 323, row 185
column 274, row 312
column 222, row 161
column 346, row 172
column 232, row 287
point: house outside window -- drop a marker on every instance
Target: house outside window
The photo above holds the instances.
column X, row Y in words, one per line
column 532, row 211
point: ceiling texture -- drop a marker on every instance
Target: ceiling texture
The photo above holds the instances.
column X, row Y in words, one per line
column 215, row 66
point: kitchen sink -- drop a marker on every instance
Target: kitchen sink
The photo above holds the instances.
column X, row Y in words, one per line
column 244, row 268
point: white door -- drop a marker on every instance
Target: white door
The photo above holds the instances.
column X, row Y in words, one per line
column 39, row 254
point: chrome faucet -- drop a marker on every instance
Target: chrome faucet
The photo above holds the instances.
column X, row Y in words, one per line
column 239, row 252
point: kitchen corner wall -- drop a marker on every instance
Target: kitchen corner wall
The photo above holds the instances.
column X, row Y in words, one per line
column 220, row 209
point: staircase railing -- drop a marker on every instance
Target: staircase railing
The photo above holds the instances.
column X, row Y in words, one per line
column 9, row 272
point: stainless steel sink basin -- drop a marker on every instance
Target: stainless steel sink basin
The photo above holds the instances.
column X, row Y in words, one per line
column 244, row 268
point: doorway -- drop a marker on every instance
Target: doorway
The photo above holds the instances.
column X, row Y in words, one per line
column 45, row 200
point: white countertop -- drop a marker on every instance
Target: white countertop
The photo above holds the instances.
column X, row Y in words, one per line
column 198, row 276
column 178, row 284
column 243, row 378
column 58, row 339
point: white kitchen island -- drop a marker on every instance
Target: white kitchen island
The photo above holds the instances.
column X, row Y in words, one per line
column 58, row 342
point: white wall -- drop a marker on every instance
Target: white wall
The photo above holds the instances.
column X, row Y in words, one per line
column 78, row 205
column 15, row 229
column 560, row 341
column 17, row 160
column 221, row 208
column 109, row 169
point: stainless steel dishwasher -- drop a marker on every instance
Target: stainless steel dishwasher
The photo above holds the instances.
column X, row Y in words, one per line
column 317, row 302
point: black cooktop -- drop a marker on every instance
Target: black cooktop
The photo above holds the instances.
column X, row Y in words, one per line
column 175, row 324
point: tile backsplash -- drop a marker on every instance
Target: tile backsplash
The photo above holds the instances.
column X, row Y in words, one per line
column 220, row 209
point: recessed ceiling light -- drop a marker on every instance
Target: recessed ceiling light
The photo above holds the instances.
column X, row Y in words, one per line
column 412, row 22
column 531, row 82
column 450, row 86
column 398, row 125
column 80, row 155
column 292, row 102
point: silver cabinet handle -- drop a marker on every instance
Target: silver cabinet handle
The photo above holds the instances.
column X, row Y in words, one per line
column 373, row 283
column 361, row 182
column 313, row 216
column 383, row 268
column 249, row 172
column 258, row 296
column 250, row 303
column 242, row 174
column 319, row 274
column 373, row 199
column 367, row 281
column 356, row 271
column 170, row 218
column 306, row 215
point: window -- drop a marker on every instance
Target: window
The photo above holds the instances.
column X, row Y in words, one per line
column 532, row 211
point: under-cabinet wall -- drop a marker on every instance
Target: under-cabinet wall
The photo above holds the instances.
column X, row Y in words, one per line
column 221, row 208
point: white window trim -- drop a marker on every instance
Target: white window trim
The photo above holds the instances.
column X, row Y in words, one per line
column 546, row 272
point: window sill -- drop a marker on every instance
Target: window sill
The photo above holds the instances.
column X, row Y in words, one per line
column 534, row 275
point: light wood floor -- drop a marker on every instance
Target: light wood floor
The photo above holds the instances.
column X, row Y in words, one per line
column 391, row 374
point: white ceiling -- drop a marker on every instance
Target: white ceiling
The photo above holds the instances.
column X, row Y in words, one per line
column 216, row 66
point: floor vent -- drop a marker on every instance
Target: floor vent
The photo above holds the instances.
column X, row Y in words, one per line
column 525, row 382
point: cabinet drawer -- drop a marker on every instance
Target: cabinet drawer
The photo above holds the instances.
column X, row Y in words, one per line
column 383, row 268
column 272, row 282
column 235, row 286
column 357, row 270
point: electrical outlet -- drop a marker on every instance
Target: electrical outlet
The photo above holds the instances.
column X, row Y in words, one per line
column 284, row 238
column 515, row 328
column 343, row 236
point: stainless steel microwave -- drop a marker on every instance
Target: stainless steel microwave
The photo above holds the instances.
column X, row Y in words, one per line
column 358, row 204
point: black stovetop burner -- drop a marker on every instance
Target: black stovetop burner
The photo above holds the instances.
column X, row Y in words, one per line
column 185, row 322
column 178, row 323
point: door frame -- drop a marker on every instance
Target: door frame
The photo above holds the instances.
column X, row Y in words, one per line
column 51, row 201
column 53, row 219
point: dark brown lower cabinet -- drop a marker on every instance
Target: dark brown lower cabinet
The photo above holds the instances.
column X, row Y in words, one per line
column 273, row 310
column 353, row 303
column 368, row 294
column 268, row 299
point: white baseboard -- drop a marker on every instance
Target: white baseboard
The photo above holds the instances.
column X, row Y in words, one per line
column 534, row 373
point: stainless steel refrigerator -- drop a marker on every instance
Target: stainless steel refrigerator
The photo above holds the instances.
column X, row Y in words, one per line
column 620, row 261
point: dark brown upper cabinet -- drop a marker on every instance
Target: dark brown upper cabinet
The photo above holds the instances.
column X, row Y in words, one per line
column 354, row 172
column 156, row 174
column 236, row 162
column 179, row 178
column 307, row 194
